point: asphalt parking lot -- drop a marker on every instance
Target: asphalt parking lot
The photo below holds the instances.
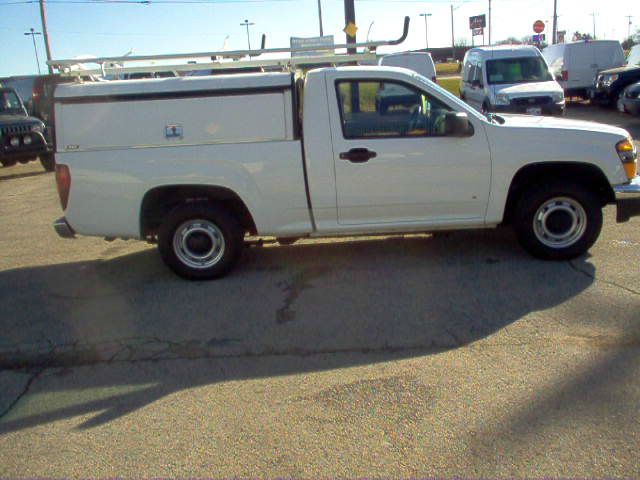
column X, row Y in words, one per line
column 397, row 356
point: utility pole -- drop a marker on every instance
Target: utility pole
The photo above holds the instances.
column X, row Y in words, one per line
column 369, row 31
column 247, row 24
column 453, row 42
column 320, row 17
column 350, row 17
column 489, row 22
column 629, row 25
column 45, row 34
column 426, row 30
column 33, row 34
column 554, row 32
column 594, row 24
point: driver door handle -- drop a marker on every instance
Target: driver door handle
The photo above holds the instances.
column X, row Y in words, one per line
column 358, row 155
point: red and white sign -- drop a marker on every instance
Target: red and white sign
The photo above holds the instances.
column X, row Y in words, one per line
column 538, row 26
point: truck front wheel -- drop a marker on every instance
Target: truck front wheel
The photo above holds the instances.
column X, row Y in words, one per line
column 200, row 241
column 558, row 221
column 48, row 162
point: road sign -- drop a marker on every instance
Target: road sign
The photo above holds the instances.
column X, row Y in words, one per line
column 477, row 32
column 538, row 26
column 351, row 29
column 324, row 44
column 479, row 21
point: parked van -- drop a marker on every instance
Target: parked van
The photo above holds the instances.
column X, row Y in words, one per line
column 576, row 64
column 511, row 79
column 420, row 62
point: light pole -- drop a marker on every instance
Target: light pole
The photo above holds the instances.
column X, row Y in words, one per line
column 426, row 31
column 33, row 34
column 369, row 30
column 247, row 24
column 320, row 17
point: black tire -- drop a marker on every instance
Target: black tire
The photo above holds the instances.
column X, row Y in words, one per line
column 560, row 203
column 209, row 222
column 8, row 162
column 48, row 162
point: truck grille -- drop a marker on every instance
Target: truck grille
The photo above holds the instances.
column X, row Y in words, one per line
column 15, row 129
column 531, row 101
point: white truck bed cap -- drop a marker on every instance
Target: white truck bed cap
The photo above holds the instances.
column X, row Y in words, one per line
column 177, row 84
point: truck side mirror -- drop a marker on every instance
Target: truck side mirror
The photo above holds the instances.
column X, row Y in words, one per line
column 456, row 124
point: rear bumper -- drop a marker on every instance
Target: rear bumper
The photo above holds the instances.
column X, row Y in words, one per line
column 63, row 229
column 627, row 200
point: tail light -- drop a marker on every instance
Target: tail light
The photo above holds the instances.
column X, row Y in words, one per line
column 63, row 181
column 565, row 75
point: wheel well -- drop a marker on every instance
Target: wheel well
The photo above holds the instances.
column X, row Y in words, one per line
column 159, row 201
column 539, row 173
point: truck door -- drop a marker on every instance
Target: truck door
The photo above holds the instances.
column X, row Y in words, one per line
column 393, row 162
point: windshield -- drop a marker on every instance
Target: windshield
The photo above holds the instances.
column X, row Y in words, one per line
column 9, row 101
column 517, row 70
column 634, row 56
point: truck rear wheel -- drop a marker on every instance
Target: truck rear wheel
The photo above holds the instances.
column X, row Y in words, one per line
column 558, row 221
column 200, row 241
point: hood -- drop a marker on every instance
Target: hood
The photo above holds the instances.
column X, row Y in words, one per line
column 555, row 123
column 529, row 89
column 628, row 68
column 12, row 119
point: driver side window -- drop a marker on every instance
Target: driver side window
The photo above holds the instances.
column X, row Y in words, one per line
column 370, row 109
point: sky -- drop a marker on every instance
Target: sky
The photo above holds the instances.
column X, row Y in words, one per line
column 86, row 27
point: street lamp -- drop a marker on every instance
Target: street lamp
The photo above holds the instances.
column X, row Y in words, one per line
column 426, row 31
column 247, row 24
column 369, row 31
column 33, row 34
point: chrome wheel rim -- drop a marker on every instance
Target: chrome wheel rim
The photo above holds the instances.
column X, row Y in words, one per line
column 560, row 222
column 199, row 243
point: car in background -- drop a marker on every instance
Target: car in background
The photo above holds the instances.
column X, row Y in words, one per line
column 610, row 85
column 630, row 100
column 576, row 64
column 419, row 62
column 510, row 79
column 21, row 136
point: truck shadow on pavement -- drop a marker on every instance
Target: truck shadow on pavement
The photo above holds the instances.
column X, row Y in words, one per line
column 285, row 310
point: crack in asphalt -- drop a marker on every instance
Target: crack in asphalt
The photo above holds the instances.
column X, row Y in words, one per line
column 25, row 390
column 608, row 282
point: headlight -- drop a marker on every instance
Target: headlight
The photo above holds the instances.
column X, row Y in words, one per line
column 629, row 157
column 36, row 128
column 27, row 139
column 558, row 97
column 609, row 79
column 14, row 142
column 502, row 99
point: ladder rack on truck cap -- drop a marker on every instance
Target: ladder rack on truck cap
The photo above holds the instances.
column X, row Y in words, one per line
column 116, row 65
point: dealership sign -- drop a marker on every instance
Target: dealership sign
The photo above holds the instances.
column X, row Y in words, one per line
column 479, row 21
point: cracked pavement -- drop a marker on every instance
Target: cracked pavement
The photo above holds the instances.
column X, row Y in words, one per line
column 396, row 356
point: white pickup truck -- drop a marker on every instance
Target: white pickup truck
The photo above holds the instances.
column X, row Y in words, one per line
column 197, row 163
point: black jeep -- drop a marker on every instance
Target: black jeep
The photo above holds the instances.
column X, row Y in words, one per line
column 610, row 84
column 22, row 138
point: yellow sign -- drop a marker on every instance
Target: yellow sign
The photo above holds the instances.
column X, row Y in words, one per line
column 351, row 29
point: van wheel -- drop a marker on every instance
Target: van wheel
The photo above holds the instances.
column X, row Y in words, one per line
column 48, row 162
column 200, row 241
column 558, row 221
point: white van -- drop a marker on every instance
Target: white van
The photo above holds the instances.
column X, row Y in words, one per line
column 576, row 64
column 420, row 62
column 510, row 79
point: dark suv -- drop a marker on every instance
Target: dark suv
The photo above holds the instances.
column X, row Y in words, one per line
column 22, row 138
column 610, row 84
